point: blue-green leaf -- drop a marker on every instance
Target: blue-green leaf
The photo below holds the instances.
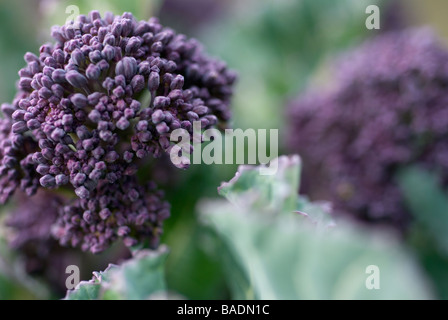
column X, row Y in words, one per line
column 136, row 279
column 284, row 256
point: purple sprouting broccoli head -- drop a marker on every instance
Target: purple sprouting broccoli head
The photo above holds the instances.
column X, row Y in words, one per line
column 386, row 110
column 124, row 210
column 92, row 107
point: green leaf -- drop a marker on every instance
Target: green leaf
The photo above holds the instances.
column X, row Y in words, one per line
column 304, row 256
column 427, row 201
column 135, row 279
column 87, row 290
column 250, row 188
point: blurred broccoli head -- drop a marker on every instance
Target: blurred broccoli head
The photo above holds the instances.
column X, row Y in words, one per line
column 92, row 107
column 388, row 109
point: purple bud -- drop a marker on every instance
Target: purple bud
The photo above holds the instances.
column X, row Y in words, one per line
column 133, row 195
column 144, row 68
column 120, row 80
column 77, row 57
column 57, row 134
column 127, row 67
column 158, row 116
column 111, row 156
column 76, row 79
column 31, row 57
column 88, row 144
column 94, row 98
column 95, row 56
column 58, row 55
column 119, row 92
column 108, row 84
column 58, row 76
column 177, row 83
column 164, row 142
column 164, row 36
column 61, row 149
column 161, row 102
column 105, row 213
column 46, row 82
column 108, row 52
column 122, row 231
column 106, row 135
column 144, row 136
column 123, row 123
column 69, row 32
column 95, row 175
column 116, row 29
column 33, row 124
column 38, row 158
column 95, row 116
column 129, row 241
column 61, row 179
column 133, row 45
column 45, row 93
column 83, row 133
column 93, row 72
column 129, row 113
column 142, row 125
column 175, row 94
column 47, row 181
column 19, row 127
column 58, row 90
column 162, row 128
column 204, row 122
column 67, row 119
column 157, row 47
column 192, row 116
column 100, row 165
column 50, row 62
column 126, row 27
column 200, row 110
column 141, row 153
column 135, row 105
column 87, row 215
column 18, row 114
column 98, row 152
column 44, row 143
column 138, row 83
column 79, row 179
column 170, row 66
column 33, row 68
column 43, row 169
column 25, row 83
column 127, row 156
column 111, row 177
column 48, row 153
column 109, row 39
column 153, row 81
column 34, row 84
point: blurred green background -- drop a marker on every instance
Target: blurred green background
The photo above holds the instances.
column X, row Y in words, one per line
column 277, row 47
